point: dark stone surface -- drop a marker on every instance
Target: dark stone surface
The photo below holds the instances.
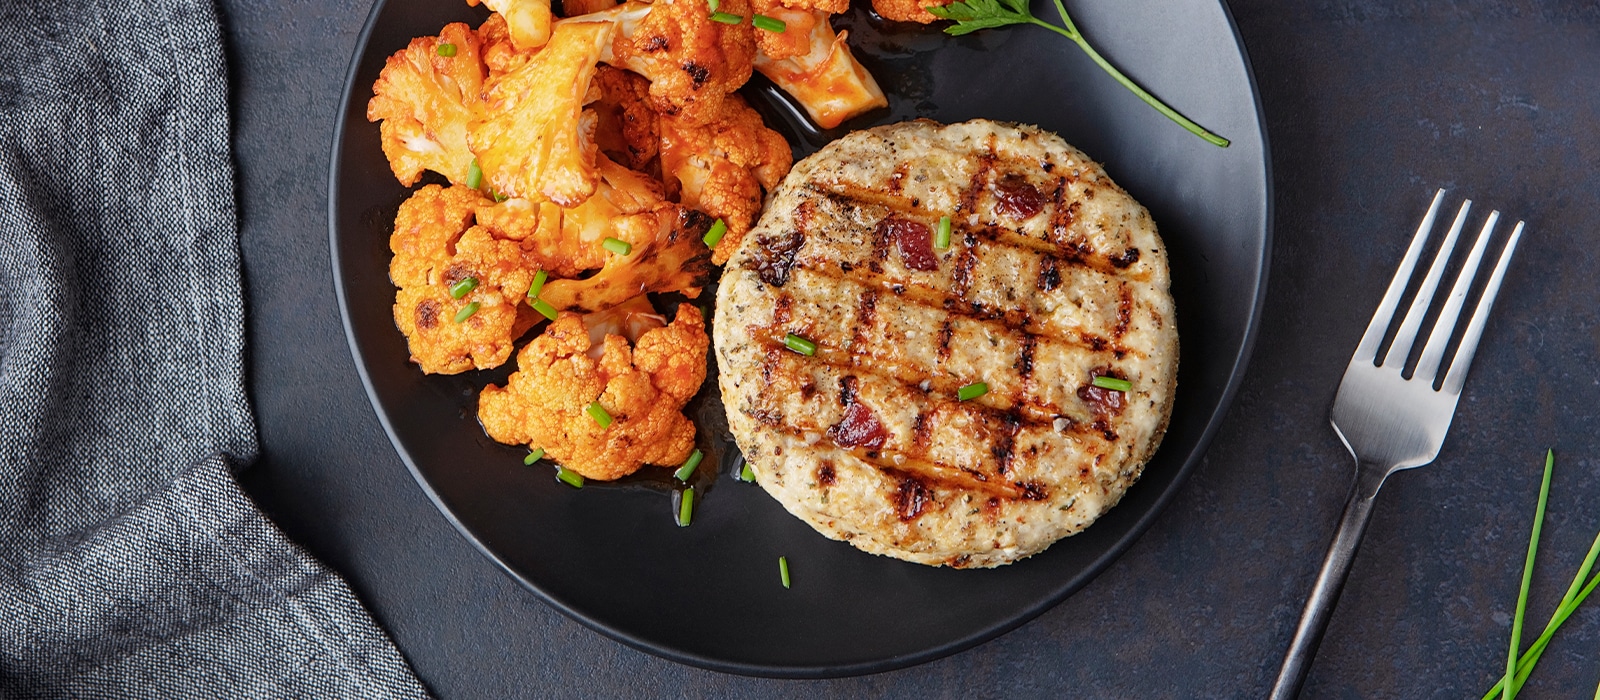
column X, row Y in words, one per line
column 1370, row 105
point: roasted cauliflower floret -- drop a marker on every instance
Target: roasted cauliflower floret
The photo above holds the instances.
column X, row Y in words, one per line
column 831, row 7
column 565, row 242
column 720, row 167
column 825, row 79
column 794, row 40
column 436, row 248
column 500, row 54
column 667, row 255
column 533, row 141
column 527, row 21
column 426, row 101
column 907, row 10
column 625, row 127
column 643, row 389
column 692, row 62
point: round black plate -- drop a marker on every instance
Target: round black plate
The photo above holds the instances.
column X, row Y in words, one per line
column 612, row 557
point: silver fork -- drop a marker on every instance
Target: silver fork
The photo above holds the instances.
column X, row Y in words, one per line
column 1390, row 422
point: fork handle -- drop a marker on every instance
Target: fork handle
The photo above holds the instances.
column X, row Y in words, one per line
column 1335, row 569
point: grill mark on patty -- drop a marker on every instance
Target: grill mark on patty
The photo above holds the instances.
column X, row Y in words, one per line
column 780, row 361
column 961, row 279
column 1049, row 274
column 1064, row 213
column 858, row 204
column 770, row 363
column 921, row 431
column 946, row 329
column 915, row 462
column 1019, row 327
column 882, row 238
column 968, row 199
column 775, row 255
column 1024, row 363
column 897, row 179
column 911, row 496
column 942, row 476
column 1004, row 449
column 1018, row 320
column 826, row 474
column 866, row 313
column 1124, row 311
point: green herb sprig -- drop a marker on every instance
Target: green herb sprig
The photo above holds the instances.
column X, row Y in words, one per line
column 973, row 15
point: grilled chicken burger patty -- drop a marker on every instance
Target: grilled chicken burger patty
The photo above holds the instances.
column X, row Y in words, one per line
column 1053, row 276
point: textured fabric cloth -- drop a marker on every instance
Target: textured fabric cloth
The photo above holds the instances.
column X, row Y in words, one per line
column 130, row 563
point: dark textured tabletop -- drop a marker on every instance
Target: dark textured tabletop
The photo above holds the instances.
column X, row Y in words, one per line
column 1370, row 106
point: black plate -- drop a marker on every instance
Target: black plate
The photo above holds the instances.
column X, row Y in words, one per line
column 709, row 595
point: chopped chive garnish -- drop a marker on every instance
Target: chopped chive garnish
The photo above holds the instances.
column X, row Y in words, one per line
column 538, row 284
column 715, row 234
column 499, row 197
column 544, row 308
column 941, row 239
column 783, row 570
column 771, row 24
column 714, row 4
column 446, row 49
column 746, row 474
column 599, row 414
column 800, row 345
column 572, row 478
column 620, row 247
column 466, row 312
column 972, row 391
column 726, row 18
column 1113, row 383
column 474, row 174
column 462, row 287
column 534, row 456
column 686, row 507
column 687, row 470
column 1508, row 683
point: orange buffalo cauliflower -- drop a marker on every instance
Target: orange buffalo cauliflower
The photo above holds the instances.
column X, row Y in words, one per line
column 667, row 255
column 643, row 389
column 907, row 10
column 792, row 41
column 500, row 54
column 436, row 248
column 527, row 21
column 533, row 141
column 825, row 78
column 665, row 251
column 720, row 167
column 625, row 127
column 691, row 61
column 426, row 101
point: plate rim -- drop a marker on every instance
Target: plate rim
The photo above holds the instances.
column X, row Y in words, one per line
column 1140, row 526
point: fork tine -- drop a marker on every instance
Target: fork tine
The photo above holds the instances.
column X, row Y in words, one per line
column 1469, row 342
column 1407, row 334
column 1433, row 352
column 1368, row 349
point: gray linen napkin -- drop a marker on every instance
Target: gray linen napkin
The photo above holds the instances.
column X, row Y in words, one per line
column 130, row 562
